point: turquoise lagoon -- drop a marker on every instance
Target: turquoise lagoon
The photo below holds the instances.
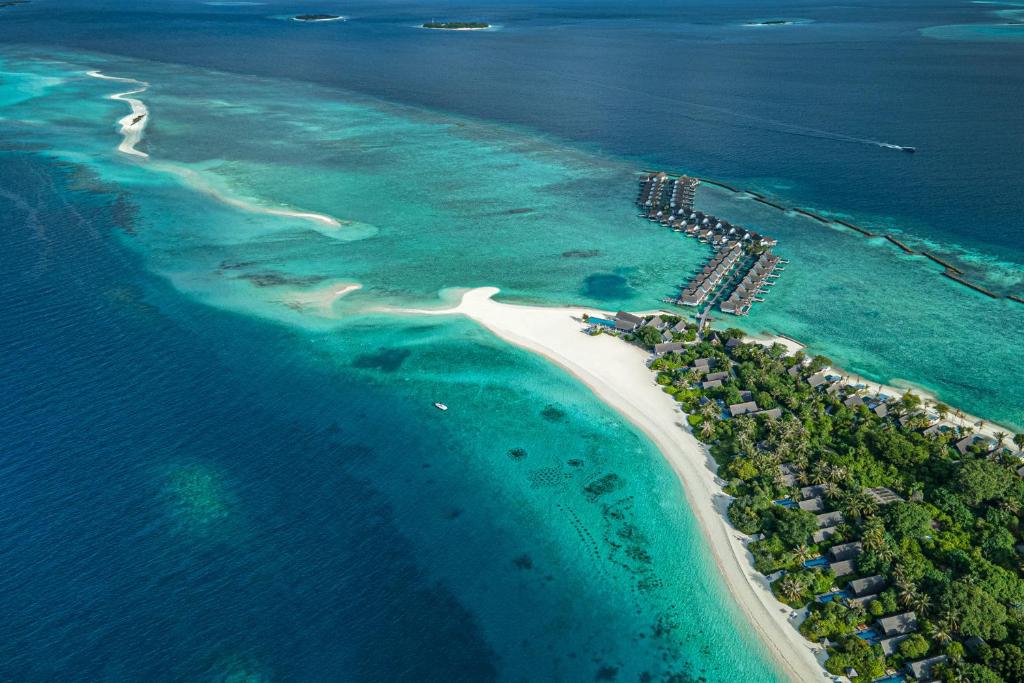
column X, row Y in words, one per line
column 576, row 560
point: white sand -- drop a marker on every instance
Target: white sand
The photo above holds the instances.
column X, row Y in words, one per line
column 319, row 301
column 132, row 125
column 617, row 373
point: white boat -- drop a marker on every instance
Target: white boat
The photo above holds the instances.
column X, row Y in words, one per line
column 440, row 406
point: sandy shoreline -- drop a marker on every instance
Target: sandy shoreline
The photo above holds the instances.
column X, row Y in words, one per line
column 133, row 126
column 617, row 373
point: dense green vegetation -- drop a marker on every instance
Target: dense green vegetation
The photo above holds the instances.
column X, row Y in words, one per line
column 948, row 545
column 455, row 24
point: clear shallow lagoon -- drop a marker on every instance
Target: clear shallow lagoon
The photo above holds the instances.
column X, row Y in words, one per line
column 212, row 473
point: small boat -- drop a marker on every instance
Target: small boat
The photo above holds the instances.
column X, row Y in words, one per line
column 909, row 150
column 440, row 406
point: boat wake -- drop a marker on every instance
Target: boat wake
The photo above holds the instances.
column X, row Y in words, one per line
column 133, row 126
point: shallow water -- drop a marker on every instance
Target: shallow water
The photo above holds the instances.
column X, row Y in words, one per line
column 202, row 438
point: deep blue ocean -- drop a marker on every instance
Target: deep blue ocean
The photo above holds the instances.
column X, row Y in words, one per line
column 195, row 485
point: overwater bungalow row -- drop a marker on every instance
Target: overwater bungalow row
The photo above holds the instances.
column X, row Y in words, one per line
column 753, row 283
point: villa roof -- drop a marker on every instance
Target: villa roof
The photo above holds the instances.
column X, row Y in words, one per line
column 822, row 535
column 794, row 370
column 844, row 568
column 711, row 384
column 742, row 408
column 812, row 491
column 964, row 444
column 898, row 625
column 628, row 317
column 679, row 326
column 655, row 322
column 853, row 401
column 711, row 377
column 705, row 363
column 665, row 347
column 889, row 645
column 846, row 551
column 812, row 505
column 817, row 379
column 922, row 669
column 732, row 342
column 828, row 519
column 773, row 413
column 883, row 496
column 867, row 586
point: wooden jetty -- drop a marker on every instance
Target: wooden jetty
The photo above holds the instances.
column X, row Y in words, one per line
column 977, row 288
column 944, row 264
column 899, row 244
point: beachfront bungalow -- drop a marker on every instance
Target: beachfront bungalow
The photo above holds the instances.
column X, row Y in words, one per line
column 898, row 625
column 844, row 568
column 747, row 408
column 812, row 491
column 794, row 371
column 705, row 364
column 771, row 413
column 883, row 496
column 656, row 322
column 812, row 505
column 853, row 402
column 829, row 519
column 845, row 551
column 712, row 384
column 881, row 410
column 733, row 343
column 822, row 535
column 922, row 670
column 679, row 327
column 665, row 347
column 817, row 379
column 712, row 376
column 868, row 586
column 965, row 444
column 627, row 322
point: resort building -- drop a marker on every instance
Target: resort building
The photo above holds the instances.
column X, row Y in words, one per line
column 743, row 409
column 665, row 347
column 845, row 551
column 898, row 625
column 627, row 322
column 812, row 491
column 922, row 670
column 883, row 496
column 812, row 505
column 822, row 535
column 868, row 586
column 844, row 568
column 829, row 519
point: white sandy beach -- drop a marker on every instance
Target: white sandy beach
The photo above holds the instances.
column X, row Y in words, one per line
column 132, row 125
column 617, row 373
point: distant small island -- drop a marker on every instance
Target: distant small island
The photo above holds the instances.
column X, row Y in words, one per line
column 457, row 25
column 317, row 17
column 12, row 3
column 777, row 22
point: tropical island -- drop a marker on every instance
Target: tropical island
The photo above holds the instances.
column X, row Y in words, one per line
column 12, row 3
column 457, row 25
column 892, row 531
column 317, row 17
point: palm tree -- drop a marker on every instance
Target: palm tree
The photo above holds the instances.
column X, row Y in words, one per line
column 709, row 410
column 941, row 630
column 792, row 587
column 873, row 537
column 1000, row 437
column 921, row 604
column 707, row 428
column 802, row 553
column 1018, row 441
